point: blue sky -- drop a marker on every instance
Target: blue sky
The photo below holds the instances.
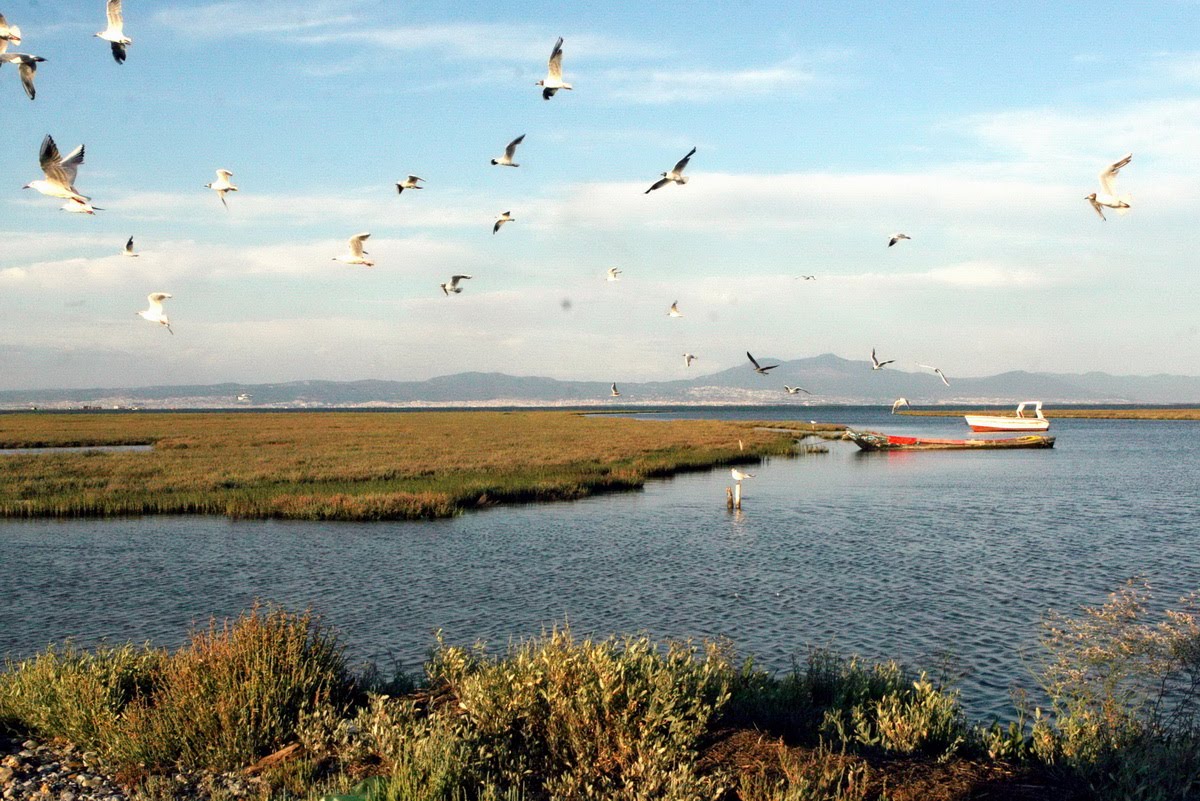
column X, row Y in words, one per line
column 977, row 128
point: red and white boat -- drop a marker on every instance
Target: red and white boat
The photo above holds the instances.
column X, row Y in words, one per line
column 1022, row 421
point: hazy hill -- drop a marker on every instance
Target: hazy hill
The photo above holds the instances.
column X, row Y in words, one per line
column 830, row 378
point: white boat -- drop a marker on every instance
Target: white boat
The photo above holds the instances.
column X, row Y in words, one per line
column 1022, row 421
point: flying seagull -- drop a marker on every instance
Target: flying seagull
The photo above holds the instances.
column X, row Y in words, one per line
column 688, row 359
column 507, row 159
column 738, row 475
column 806, row 277
column 1108, row 196
column 613, row 272
column 356, row 255
column 898, row 403
column 244, row 397
column 876, row 364
column 501, row 220
column 795, row 390
column 674, row 310
column 26, row 66
column 9, row 33
column 115, row 32
column 675, row 175
column 222, row 185
column 155, row 313
column 128, row 251
column 757, row 368
column 554, row 81
column 615, row 391
column 896, row 238
column 60, row 172
column 408, row 183
column 941, row 375
column 453, row 285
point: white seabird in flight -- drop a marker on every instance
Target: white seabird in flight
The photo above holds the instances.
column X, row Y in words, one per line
column 453, row 285
column 898, row 403
column 222, row 185
column 115, row 32
column 506, row 217
column 408, row 183
column 553, row 81
column 615, row 392
column 675, row 175
column 757, row 368
column 60, row 172
column 507, row 159
column 878, row 365
column 80, row 207
column 940, row 374
column 9, row 33
column 1108, row 196
column 796, row 390
column 25, row 63
column 357, row 255
column 674, row 310
column 896, row 238
column 688, row 359
column 613, row 272
column 155, row 313
column 128, row 251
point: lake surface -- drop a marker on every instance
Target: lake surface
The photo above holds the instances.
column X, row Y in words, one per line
column 913, row 556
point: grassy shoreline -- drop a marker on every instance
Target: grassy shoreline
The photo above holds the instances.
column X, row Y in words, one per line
column 1082, row 414
column 353, row 466
column 270, row 696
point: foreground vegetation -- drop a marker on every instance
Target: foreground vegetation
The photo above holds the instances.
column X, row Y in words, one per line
column 557, row 717
column 1082, row 414
column 350, row 466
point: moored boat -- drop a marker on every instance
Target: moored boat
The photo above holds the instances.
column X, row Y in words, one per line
column 989, row 422
column 874, row 441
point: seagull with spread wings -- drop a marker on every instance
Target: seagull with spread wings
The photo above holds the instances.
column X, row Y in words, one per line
column 940, row 374
column 759, row 368
column 675, row 175
column 506, row 217
column 878, row 365
column 796, row 390
column 453, row 285
column 613, row 272
column 408, row 183
column 25, row 63
column 9, row 33
column 128, row 251
column 896, row 238
column 1108, row 197
column 60, row 172
column 509, row 152
column 222, row 185
column 553, row 81
column 688, row 358
column 114, row 34
column 356, row 255
column 674, row 310
column 898, row 403
column 155, row 313
column 615, row 392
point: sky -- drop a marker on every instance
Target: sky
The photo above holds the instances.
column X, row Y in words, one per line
column 821, row 129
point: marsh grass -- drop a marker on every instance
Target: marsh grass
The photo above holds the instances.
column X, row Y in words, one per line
column 351, row 466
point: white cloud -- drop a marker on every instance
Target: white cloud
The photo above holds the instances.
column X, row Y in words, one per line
column 705, row 85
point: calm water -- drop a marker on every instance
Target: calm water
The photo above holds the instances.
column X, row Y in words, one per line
column 888, row 555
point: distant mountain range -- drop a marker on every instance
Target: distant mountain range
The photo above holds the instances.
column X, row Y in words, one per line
column 831, row 379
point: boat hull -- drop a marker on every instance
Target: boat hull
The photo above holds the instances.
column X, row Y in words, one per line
column 873, row 441
column 988, row 423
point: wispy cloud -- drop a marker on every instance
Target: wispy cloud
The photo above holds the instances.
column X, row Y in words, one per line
column 704, row 85
column 222, row 20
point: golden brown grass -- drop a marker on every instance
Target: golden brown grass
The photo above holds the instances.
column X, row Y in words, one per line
column 1083, row 414
column 349, row 466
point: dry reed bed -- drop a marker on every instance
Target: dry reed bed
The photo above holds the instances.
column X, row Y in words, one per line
column 349, row 466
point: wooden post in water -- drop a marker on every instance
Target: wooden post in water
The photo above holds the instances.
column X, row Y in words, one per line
column 737, row 496
column 729, row 499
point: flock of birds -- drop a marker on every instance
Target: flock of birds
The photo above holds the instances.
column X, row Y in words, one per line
column 60, row 173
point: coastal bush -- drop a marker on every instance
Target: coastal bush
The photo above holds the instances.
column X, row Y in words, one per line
column 613, row 719
column 78, row 694
column 235, row 692
column 1125, row 696
column 820, row 775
